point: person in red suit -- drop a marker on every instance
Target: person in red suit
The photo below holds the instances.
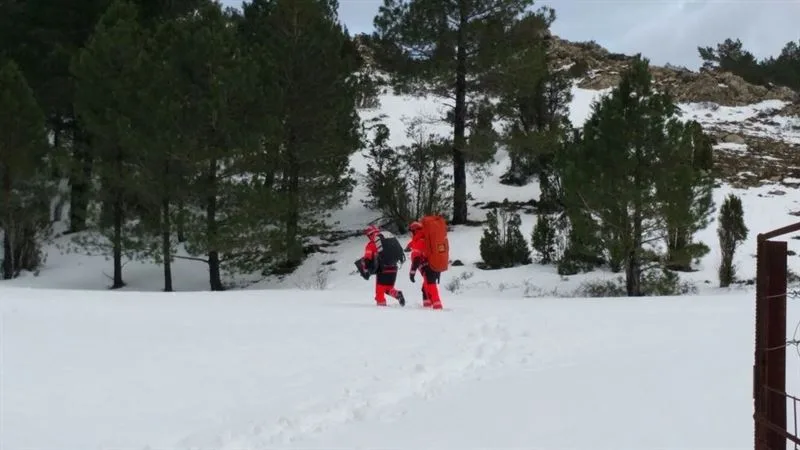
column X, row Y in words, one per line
column 385, row 270
column 430, row 278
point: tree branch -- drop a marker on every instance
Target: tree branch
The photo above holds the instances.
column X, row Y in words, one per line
column 191, row 258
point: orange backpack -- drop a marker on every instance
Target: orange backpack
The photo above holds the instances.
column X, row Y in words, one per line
column 437, row 247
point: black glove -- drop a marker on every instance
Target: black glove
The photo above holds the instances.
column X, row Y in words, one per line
column 411, row 276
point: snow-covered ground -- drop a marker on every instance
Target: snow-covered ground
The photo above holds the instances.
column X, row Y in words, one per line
column 308, row 361
column 95, row 370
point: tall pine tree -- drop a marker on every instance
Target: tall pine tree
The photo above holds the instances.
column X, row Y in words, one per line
column 448, row 47
column 164, row 161
column 25, row 202
column 308, row 68
column 216, row 87
column 108, row 74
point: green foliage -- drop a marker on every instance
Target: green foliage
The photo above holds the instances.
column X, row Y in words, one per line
column 654, row 283
column 221, row 111
column 502, row 244
column 583, row 245
column 730, row 55
column 732, row 231
column 544, row 236
column 108, row 74
column 634, row 169
column 534, row 101
column 307, row 62
column 686, row 197
column 409, row 181
column 24, row 211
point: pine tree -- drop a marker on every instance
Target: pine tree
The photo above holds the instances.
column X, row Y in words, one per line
column 491, row 244
column 165, row 158
column 785, row 69
column 44, row 37
column 543, row 239
column 318, row 127
column 687, row 197
column 534, row 103
column 732, row 231
column 447, row 47
column 108, row 74
column 502, row 244
column 730, row 56
column 26, row 197
column 614, row 171
column 218, row 87
column 516, row 246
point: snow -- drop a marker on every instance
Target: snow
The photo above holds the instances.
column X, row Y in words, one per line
column 256, row 369
column 307, row 360
column 731, row 146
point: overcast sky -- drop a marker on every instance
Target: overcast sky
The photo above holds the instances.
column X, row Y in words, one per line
column 662, row 30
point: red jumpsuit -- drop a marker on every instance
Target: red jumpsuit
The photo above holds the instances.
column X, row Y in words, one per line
column 385, row 278
column 430, row 278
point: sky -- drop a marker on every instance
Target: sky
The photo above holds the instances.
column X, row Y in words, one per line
column 665, row 31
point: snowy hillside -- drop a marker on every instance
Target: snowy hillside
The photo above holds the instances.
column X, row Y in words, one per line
column 308, row 361
column 767, row 203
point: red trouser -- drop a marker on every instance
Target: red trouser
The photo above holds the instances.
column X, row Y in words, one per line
column 430, row 288
column 384, row 284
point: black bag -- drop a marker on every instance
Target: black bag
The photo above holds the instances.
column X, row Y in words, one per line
column 362, row 270
column 390, row 252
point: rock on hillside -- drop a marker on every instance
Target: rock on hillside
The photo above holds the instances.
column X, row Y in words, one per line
column 597, row 68
column 757, row 128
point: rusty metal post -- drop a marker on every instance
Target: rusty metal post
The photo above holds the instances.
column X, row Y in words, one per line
column 759, row 429
column 771, row 344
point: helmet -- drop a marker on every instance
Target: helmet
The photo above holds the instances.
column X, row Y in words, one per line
column 371, row 230
column 414, row 226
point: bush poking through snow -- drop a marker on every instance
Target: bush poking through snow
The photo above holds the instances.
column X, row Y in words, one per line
column 654, row 283
column 408, row 182
column 318, row 280
column 455, row 285
column 731, row 231
column 602, row 288
column 502, row 244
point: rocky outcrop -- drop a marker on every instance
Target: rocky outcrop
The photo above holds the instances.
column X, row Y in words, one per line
column 755, row 144
column 596, row 68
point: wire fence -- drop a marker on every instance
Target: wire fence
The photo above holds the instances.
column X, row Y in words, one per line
column 776, row 420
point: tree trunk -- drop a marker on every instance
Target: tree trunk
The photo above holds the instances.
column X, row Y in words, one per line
column 293, row 247
column 633, row 263
column 212, row 228
column 8, row 256
column 118, row 220
column 633, row 266
column 678, row 240
column 459, row 126
column 166, row 228
column 8, row 248
column 181, row 221
column 118, row 217
column 80, row 182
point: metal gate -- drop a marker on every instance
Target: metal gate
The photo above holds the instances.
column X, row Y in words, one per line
column 770, row 400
